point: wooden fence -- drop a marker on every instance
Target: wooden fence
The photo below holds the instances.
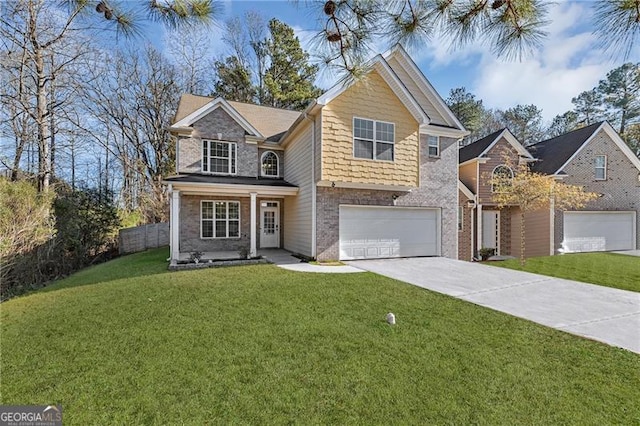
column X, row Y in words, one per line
column 143, row 237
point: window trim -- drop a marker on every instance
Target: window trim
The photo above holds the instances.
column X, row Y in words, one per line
column 374, row 141
column 493, row 172
column 230, row 162
column 604, row 167
column 227, row 220
column 262, row 173
column 437, row 155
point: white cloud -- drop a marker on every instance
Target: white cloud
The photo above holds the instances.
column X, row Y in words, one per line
column 568, row 63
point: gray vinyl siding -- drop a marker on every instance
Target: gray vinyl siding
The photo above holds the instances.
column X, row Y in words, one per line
column 297, row 209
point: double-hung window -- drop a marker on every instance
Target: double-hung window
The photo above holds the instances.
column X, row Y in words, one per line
column 220, row 219
column 600, row 163
column 433, row 143
column 219, row 157
column 373, row 140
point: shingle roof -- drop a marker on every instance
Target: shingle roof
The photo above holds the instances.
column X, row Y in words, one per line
column 553, row 153
column 267, row 120
column 476, row 148
column 234, row 180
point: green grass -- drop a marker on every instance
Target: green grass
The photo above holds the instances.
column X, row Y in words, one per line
column 259, row 344
column 607, row 269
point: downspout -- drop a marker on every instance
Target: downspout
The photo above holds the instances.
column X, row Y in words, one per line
column 313, row 184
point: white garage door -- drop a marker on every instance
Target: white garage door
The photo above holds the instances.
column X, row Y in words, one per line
column 369, row 232
column 599, row 231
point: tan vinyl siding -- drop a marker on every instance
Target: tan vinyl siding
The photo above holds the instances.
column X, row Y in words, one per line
column 419, row 96
column 468, row 174
column 537, row 232
column 496, row 157
column 465, row 236
column 370, row 98
column 297, row 210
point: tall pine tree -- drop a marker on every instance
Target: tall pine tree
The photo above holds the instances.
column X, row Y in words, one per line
column 288, row 80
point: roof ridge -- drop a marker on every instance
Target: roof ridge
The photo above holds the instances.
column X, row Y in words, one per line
column 595, row 125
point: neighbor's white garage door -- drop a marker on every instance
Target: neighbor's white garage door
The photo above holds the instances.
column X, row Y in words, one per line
column 369, row 232
column 599, row 231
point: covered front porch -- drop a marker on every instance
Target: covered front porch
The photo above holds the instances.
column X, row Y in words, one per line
column 224, row 217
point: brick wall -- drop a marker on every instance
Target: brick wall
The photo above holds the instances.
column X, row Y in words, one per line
column 208, row 127
column 621, row 189
column 496, row 157
column 190, row 226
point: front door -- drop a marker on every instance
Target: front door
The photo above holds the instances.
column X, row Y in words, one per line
column 269, row 224
column 491, row 229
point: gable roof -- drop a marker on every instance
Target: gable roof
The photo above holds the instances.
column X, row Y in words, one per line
column 430, row 98
column 554, row 154
column 480, row 147
column 258, row 120
column 379, row 64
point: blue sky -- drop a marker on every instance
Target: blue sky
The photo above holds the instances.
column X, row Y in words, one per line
column 568, row 63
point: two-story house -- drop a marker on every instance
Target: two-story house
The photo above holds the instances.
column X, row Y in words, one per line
column 593, row 157
column 368, row 170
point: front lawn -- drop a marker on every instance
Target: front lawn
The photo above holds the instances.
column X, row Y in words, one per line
column 262, row 345
column 607, row 269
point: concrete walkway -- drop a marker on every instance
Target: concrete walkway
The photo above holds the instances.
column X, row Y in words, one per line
column 600, row 313
column 286, row 260
column 629, row 252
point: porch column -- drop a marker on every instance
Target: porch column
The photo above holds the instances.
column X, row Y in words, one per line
column 175, row 225
column 479, row 229
column 253, row 252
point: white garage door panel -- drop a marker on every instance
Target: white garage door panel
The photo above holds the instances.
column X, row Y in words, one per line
column 599, row 231
column 379, row 232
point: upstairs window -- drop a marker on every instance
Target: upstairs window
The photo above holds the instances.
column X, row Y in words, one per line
column 501, row 176
column 433, row 142
column 373, row 140
column 219, row 157
column 601, row 167
column 269, row 164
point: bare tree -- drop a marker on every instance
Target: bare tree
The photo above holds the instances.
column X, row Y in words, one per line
column 191, row 51
column 130, row 106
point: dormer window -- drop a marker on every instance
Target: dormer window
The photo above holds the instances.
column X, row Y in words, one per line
column 601, row 167
column 501, row 176
column 269, row 164
column 219, row 157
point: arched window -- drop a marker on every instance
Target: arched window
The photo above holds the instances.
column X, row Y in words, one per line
column 501, row 176
column 270, row 164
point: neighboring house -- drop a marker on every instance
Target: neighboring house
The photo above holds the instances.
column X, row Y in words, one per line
column 484, row 224
column 594, row 157
column 368, row 170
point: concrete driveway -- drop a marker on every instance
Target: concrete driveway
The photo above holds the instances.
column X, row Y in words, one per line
column 600, row 313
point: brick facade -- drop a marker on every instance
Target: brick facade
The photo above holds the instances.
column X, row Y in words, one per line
column 217, row 123
column 438, row 189
column 190, row 224
column 620, row 191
